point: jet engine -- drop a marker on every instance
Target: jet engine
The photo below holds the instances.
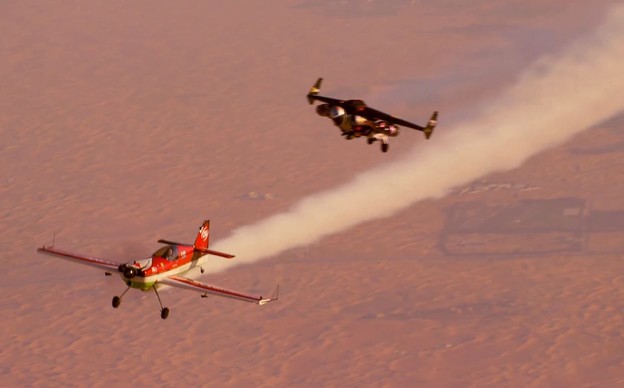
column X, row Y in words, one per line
column 387, row 128
column 323, row 110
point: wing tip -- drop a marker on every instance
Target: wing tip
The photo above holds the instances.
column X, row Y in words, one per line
column 314, row 90
column 431, row 124
column 273, row 298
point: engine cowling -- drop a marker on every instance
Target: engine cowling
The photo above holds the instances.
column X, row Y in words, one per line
column 128, row 271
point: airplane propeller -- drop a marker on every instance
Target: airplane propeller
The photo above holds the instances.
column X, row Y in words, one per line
column 128, row 271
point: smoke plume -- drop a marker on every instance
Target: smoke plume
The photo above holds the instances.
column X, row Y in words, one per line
column 555, row 98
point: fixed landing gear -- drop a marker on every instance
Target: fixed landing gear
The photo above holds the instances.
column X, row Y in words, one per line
column 384, row 147
column 164, row 311
column 370, row 140
column 117, row 299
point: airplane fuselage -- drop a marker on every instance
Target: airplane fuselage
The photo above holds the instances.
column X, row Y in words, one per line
column 163, row 267
column 149, row 271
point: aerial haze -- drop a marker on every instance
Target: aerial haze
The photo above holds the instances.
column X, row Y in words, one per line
column 556, row 97
column 489, row 254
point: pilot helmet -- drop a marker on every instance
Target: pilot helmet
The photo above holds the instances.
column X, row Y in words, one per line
column 336, row 112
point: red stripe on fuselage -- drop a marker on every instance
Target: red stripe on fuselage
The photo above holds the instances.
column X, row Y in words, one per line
column 161, row 265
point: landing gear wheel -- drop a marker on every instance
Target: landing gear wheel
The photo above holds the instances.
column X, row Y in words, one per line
column 370, row 140
column 164, row 313
column 116, row 301
column 384, row 147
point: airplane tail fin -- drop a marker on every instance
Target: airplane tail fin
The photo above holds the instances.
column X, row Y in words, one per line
column 203, row 236
column 314, row 90
column 431, row 125
column 201, row 243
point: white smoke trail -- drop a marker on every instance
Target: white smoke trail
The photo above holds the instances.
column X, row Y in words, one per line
column 555, row 98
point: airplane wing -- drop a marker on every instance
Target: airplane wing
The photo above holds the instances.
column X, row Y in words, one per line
column 313, row 95
column 329, row 100
column 374, row 113
column 205, row 289
column 102, row 264
column 371, row 113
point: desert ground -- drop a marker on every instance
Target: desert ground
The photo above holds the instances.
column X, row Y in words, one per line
column 125, row 122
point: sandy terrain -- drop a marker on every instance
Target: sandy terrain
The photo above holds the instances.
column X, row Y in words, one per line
column 125, row 122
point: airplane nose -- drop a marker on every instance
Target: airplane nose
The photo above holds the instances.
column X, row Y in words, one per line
column 128, row 271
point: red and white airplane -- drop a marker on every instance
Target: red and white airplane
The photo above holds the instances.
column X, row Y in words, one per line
column 163, row 268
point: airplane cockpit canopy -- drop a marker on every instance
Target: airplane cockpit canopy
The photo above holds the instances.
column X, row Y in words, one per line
column 168, row 252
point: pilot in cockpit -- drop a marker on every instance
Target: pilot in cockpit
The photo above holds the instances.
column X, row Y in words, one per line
column 168, row 253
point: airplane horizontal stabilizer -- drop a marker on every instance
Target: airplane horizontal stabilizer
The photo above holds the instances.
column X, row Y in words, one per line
column 211, row 252
column 169, row 242
column 205, row 251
